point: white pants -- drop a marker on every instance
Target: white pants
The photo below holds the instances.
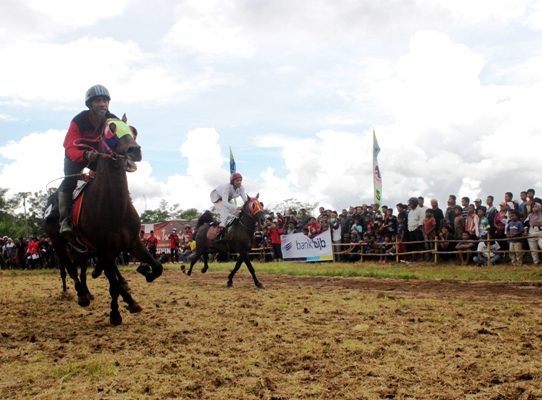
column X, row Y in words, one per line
column 224, row 213
column 535, row 242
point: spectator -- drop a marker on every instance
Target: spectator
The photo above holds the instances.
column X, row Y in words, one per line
column 490, row 214
column 152, row 243
column 483, row 225
column 449, row 216
column 390, row 222
column 500, row 222
column 189, row 248
column 346, row 223
column 444, row 242
column 274, row 233
column 401, row 237
column 464, row 248
column 465, row 201
column 535, row 231
column 509, row 200
column 429, row 232
column 515, row 234
column 437, row 214
column 415, row 224
column 522, row 208
column 472, row 223
column 459, row 223
column 314, row 227
column 336, row 235
column 174, row 244
column 481, row 258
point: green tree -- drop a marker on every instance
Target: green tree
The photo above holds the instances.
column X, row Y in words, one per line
column 190, row 214
column 164, row 212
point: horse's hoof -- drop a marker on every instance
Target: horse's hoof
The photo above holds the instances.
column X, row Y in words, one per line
column 83, row 301
column 134, row 308
column 260, row 285
column 146, row 271
column 189, row 272
column 230, row 283
column 204, row 270
column 115, row 320
column 90, row 296
column 96, row 273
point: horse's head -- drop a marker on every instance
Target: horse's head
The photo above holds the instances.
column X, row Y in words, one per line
column 254, row 208
column 119, row 141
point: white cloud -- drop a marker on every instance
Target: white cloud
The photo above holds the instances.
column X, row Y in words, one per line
column 36, row 160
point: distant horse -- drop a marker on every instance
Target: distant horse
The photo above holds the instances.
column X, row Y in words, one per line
column 108, row 222
column 238, row 238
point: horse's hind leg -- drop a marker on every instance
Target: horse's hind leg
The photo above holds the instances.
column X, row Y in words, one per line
column 114, row 290
column 122, row 281
column 205, row 263
column 63, row 277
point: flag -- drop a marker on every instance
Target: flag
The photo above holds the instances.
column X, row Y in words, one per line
column 377, row 181
column 232, row 163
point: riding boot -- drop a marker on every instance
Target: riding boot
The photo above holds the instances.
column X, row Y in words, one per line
column 66, row 229
column 220, row 232
column 65, row 208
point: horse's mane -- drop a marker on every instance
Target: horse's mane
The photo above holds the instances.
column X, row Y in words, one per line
column 206, row 217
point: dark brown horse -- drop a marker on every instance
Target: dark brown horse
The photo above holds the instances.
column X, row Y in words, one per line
column 108, row 221
column 237, row 239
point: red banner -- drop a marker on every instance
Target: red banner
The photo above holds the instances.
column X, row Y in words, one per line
column 162, row 230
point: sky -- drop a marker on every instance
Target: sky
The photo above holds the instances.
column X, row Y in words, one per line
column 452, row 89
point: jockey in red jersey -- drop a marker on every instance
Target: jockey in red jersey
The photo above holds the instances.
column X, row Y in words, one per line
column 222, row 197
column 86, row 125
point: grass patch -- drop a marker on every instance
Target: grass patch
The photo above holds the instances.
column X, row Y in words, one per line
column 420, row 271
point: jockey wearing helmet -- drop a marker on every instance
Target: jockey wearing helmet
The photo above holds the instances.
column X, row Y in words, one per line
column 222, row 197
column 86, row 125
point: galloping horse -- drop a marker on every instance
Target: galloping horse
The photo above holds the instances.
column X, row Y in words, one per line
column 108, row 221
column 238, row 238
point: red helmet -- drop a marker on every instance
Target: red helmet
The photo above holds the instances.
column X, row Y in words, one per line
column 234, row 176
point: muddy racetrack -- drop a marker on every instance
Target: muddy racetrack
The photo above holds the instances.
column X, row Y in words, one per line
column 300, row 338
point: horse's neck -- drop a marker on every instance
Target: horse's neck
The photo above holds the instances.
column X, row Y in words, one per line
column 247, row 220
column 110, row 183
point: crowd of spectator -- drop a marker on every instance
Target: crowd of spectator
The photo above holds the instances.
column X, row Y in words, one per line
column 484, row 234
column 25, row 254
column 469, row 231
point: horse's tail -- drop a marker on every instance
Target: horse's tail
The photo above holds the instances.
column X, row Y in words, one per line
column 206, row 217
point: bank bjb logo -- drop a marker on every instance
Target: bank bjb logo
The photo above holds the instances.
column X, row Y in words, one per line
column 317, row 243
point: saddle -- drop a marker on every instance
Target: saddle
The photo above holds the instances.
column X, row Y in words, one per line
column 213, row 228
column 52, row 211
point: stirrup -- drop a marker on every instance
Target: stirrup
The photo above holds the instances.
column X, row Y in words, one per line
column 73, row 242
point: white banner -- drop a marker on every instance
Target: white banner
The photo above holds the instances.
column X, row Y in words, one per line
column 298, row 247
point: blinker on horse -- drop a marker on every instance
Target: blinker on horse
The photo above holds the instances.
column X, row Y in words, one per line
column 108, row 221
column 238, row 239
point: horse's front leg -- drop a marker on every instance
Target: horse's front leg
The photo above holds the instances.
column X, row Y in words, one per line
column 234, row 271
column 114, row 290
column 150, row 268
column 194, row 257
column 252, row 271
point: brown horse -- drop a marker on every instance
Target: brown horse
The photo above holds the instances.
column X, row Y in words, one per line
column 238, row 239
column 108, row 221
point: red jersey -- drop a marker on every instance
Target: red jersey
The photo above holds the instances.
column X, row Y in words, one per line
column 173, row 241
column 81, row 127
column 314, row 229
column 151, row 240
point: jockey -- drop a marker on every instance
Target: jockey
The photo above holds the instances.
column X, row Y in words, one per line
column 222, row 197
column 86, row 125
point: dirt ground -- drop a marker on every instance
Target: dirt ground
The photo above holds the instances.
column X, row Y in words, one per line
column 300, row 338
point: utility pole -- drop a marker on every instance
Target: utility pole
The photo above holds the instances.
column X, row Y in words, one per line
column 25, row 220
